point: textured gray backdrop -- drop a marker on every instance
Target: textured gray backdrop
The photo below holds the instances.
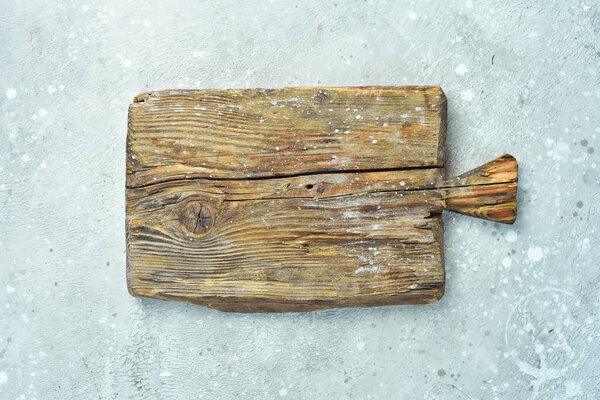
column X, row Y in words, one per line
column 520, row 315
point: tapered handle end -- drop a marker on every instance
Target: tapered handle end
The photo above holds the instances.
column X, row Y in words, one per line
column 487, row 192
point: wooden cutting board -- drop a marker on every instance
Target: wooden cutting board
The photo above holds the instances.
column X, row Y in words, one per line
column 297, row 199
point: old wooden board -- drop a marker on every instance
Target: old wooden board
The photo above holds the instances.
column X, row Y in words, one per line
column 296, row 199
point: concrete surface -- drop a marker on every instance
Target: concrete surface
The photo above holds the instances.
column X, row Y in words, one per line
column 520, row 316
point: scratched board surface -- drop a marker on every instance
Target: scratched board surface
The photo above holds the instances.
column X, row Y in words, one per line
column 288, row 199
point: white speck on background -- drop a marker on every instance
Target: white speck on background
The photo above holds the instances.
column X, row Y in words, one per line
column 560, row 151
column 51, row 89
column 535, row 254
column 511, row 236
column 572, row 388
column 165, row 373
column 25, row 158
column 412, row 15
column 3, row 377
column 507, row 262
column 360, row 345
column 10, row 289
column 461, row 69
column 468, row 4
column 11, row 93
column 583, row 246
column 283, row 392
column 467, row 95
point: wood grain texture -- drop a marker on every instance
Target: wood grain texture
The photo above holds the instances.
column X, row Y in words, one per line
column 488, row 192
column 289, row 244
column 277, row 132
column 250, row 207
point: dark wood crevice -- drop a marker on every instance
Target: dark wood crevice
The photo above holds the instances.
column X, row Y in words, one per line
column 318, row 173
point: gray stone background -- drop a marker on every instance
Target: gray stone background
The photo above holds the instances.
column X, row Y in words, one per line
column 520, row 315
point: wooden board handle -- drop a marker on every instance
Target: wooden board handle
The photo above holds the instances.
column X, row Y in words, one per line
column 487, row 192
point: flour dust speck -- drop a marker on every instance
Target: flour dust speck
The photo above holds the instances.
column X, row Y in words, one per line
column 512, row 236
column 572, row 388
column 11, row 93
column 461, row 69
column 535, row 254
column 467, row 95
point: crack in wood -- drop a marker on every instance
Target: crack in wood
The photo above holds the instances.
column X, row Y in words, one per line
column 283, row 176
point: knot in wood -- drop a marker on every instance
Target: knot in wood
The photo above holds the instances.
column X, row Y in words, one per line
column 196, row 218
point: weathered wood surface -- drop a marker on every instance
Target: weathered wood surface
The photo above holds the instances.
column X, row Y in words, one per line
column 350, row 222
column 258, row 133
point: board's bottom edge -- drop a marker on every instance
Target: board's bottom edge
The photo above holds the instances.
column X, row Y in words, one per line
column 266, row 305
